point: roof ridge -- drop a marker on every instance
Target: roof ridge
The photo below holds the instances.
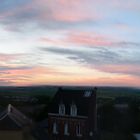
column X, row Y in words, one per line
column 2, row 117
column 15, row 115
column 15, row 111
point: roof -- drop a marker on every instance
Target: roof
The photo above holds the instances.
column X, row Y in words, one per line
column 1, row 109
column 80, row 97
column 12, row 119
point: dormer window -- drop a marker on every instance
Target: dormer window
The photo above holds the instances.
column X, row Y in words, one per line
column 62, row 109
column 87, row 93
column 73, row 110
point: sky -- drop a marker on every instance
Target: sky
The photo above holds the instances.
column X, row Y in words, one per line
column 70, row 42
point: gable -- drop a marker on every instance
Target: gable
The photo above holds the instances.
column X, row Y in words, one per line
column 8, row 124
column 80, row 97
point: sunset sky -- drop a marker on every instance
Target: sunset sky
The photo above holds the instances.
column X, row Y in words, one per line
column 70, row 42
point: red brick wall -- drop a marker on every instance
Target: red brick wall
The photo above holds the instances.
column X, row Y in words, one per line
column 72, row 123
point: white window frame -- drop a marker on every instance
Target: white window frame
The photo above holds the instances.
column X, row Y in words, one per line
column 87, row 93
column 55, row 128
column 78, row 130
column 73, row 110
column 61, row 109
column 66, row 129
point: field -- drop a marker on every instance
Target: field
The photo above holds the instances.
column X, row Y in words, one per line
column 114, row 92
column 29, row 91
column 106, row 92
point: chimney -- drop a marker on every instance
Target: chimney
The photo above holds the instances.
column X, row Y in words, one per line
column 9, row 108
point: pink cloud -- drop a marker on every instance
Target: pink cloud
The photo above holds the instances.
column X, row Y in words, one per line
column 79, row 38
column 43, row 75
column 66, row 11
column 74, row 11
column 90, row 39
column 120, row 69
column 55, row 42
column 9, row 57
column 26, row 76
column 38, row 70
column 118, row 81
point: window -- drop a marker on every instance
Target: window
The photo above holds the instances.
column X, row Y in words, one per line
column 66, row 129
column 78, row 130
column 62, row 109
column 55, row 128
column 87, row 93
column 73, row 110
column 90, row 133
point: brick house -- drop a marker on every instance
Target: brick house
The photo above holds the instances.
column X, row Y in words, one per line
column 72, row 115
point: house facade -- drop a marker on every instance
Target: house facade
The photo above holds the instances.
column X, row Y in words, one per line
column 72, row 115
column 14, row 125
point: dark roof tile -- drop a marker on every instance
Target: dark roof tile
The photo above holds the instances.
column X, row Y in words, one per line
column 11, row 119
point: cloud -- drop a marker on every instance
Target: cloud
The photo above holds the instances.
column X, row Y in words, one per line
column 89, row 39
column 81, row 32
column 95, row 40
column 7, row 68
column 120, row 69
column 58, row 14
column 87, row 56
column 24, row 75
column 4, row 82
column 9, row 57
column 103, row 59
column 97, row 55
column 15, row 61
column 48, row 14
column 121, row 4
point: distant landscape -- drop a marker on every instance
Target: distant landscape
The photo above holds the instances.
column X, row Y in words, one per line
column 118, row 108
column 51, row 90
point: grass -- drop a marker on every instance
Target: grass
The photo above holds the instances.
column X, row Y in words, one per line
column 105, row 92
